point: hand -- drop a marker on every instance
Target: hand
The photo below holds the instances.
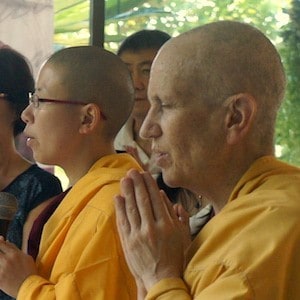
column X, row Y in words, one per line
column 153, row 238
column 15, row 267
column 184, row 219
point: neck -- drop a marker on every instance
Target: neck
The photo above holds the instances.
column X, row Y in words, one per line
column 225, row 178
column 84, row 162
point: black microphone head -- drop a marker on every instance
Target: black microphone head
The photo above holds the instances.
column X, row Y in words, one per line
column 8, row 206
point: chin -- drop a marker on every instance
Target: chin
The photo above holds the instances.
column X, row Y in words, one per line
column 41, row 160
column 170, row 179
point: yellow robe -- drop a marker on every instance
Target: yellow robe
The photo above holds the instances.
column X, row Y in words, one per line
column 251, row 249
column 80, row 254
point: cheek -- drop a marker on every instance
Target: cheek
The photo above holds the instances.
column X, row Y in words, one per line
column 55, row 147
column 61, row 136
column 188, row 142
column 146, row 81
column 183, row 134
column 55, row 132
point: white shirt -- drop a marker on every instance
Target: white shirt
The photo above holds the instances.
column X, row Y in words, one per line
column 125, row 138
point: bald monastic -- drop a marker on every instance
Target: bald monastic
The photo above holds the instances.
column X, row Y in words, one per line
column 83, row 97
column 215, row 92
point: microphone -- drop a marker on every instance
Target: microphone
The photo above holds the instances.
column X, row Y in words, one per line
column 8, row 208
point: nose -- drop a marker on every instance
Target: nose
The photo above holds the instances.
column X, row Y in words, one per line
column 138, row 81
column 150, row 128
column 27, row 114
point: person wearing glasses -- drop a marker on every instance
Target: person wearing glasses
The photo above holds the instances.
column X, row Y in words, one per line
column 83, row 97
column 30, row 184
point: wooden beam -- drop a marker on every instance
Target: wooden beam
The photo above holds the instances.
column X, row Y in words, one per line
column 97, row 22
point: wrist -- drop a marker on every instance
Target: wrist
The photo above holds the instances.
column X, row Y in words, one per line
column 150, row 281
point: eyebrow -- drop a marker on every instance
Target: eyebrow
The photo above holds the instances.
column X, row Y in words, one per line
column 146, row 62
column 142, row 63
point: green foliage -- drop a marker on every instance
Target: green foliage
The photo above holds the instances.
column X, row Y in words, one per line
column 178, row 16
column 288, row 124
column 71, row 22
column 124, row 17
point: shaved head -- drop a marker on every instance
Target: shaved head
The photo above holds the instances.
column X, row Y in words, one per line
column 94, row 75
column 225, row 58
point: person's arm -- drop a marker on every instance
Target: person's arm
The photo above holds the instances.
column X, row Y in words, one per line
column 154, row 240
column 32, row 215
column 91, row 266
column 218, row 283
column 15, row 267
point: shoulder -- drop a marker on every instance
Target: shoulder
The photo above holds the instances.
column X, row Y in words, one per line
column 40, row 176
column 36, row 171
column 37, row 185
column 31, row 217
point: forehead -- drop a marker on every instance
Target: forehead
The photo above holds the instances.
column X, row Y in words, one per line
column 173, row 76
column 50, row 79
column 165, row 74
column 163, row 87
column 140, row 57
column 49, row 72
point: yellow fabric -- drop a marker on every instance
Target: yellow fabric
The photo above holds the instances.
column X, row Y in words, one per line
column 251, row 249
column 80, row 254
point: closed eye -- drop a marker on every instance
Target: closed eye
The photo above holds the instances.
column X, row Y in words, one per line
column 165, row 105
column 158, row 104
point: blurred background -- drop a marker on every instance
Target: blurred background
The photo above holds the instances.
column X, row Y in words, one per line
column 37, row 28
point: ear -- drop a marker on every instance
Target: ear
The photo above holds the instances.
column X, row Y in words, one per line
column 241, row 110
column 90, row 118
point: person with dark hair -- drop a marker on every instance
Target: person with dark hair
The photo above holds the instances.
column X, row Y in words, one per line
column 215, row 92
column 30, row 184
column 138, row 51
column 143, row 40
column 83, row 97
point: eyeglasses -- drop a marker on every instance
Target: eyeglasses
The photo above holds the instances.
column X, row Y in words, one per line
column 35, row 101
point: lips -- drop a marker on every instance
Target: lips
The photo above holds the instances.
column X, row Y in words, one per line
column 29, row 139
column 161, row 158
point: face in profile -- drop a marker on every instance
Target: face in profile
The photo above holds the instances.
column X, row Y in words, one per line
column 139, row 64
column 52, row 128
column 184, row 130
